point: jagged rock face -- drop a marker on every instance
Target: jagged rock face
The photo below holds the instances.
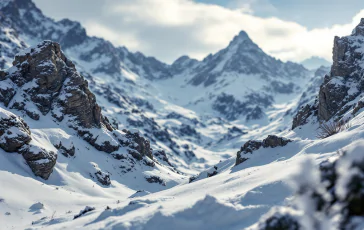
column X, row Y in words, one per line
column 346, row 74
column 137, row 145
column 14, row 132
column 232, row 108
column 250, row 146
column 40, row 161
column 242, row 56
column 342, row 85
column 66, row 151
column 302, row 115
column 332, row 96
column 15, row 136
column 103, row 178
column 47, row 78
column 273, row 141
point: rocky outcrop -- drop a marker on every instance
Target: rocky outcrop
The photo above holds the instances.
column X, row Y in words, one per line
column 66, row 150
column 103, row 178
column 273, row 141
column 333, row 96
column 45, row 77
column 358, row 107
column 15, row 136
column 250, row 146
column 42, row 81
column 302, row 115
column 155, row 179
column 232, row 108
column 40, row 161
column 14, row 132
column 343, row 84
column 135, row 143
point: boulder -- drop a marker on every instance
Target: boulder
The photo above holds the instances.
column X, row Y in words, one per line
column 14, row 132
column 40, row 161
column 273, row 141
column 250, row 146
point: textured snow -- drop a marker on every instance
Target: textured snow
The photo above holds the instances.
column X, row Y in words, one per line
column 234, row 198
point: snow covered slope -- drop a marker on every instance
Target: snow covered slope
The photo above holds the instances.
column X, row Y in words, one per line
column 124, row 134
column 196, row 111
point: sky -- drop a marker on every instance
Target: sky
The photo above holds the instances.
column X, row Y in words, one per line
column 291, row 30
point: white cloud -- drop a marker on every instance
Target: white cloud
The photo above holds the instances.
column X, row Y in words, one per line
column 168, row 29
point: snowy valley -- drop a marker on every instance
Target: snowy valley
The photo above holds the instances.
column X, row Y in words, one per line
column 94, row 136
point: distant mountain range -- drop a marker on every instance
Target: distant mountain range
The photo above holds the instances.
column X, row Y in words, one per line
column 315, row 62
column 97, row 125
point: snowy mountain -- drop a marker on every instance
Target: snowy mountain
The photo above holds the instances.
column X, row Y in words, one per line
column 111, row 139
column 315, row 62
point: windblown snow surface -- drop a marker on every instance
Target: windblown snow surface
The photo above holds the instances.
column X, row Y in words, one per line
column 233, row 199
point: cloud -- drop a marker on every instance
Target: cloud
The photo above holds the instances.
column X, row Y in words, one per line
column 169, row 29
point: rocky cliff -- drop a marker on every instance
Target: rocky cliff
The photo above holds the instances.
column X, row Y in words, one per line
column 340, row 92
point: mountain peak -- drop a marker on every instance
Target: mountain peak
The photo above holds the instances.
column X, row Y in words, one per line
column 359, row 29
column 21, row 4
column 242, row 36
column 315, row 62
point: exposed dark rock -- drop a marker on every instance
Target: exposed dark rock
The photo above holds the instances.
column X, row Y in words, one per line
column 232, row 108
column 66, row 151
column 51, row 82
column 346, row 69
column 240, row 159
column 235, row 129
column 250, row 146
column 103, row 178
column 84, row 211
column 155, row 179
column 137, row 145
column 358, row 106
column 271, row 141
column 213, row 173
column 7, row 91
column 192, row 178
column 303, row 114
column 255, row 114
column 280, row 87
column 343, row 84
column 39, row 160
column 187, row 130
column 14, row 132
column 109, row 145
column 333, row 96
column 162, row 156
